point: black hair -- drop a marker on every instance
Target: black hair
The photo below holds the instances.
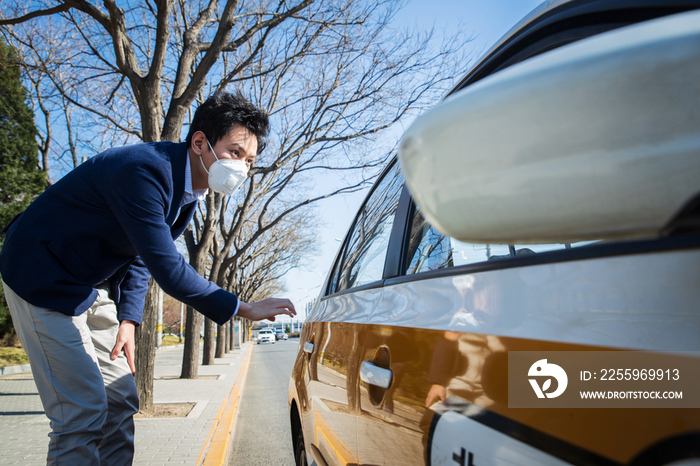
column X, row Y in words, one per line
column 217, row 116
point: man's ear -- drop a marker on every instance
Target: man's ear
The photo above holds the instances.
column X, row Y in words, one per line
column 198, row 142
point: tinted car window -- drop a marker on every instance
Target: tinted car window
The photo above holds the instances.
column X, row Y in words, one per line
column 428, row 249
column 365, row 252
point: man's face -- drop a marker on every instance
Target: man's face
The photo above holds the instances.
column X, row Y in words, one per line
column 238, row 144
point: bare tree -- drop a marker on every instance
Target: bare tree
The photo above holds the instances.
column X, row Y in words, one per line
column 44, row 52
column 331, row 109
column 332, row 75
column 198, row 240
column 110, row 59
column 37, row 100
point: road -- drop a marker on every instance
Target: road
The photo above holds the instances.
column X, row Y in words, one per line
column 263, row 434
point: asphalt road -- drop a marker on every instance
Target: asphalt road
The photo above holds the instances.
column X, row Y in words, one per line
column 263, row 434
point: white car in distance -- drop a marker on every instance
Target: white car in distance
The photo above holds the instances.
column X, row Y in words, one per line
column 266, row 334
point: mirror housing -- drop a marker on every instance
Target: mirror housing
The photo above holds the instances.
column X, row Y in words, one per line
column 599, row 139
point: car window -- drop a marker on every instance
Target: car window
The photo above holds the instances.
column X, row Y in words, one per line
column 428, row 249
column 365, row 252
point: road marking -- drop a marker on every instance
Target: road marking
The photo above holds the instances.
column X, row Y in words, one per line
column 216, row 448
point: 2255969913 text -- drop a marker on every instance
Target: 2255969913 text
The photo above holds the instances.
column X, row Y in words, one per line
column 603, row 379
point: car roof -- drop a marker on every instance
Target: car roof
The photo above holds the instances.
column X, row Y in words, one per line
column 556, row 16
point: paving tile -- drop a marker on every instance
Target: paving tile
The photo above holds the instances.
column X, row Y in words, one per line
column 24, row 429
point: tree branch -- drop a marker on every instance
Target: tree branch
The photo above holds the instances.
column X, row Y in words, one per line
column 35, row 14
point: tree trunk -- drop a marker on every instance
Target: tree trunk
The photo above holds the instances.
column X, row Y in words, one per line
column 209, row 344
column 198, row 250
column 146, row 349
column 220, row 341
column 190, row 356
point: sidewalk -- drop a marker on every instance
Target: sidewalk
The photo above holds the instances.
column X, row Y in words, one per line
column 201, row 438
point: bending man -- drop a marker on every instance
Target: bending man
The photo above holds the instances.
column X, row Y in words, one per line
column 76, row 263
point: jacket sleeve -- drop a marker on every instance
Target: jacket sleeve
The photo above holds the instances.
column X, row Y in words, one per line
column 133, row 289
column 139, row 192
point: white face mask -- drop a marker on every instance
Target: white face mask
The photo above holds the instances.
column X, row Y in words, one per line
column 225, row 175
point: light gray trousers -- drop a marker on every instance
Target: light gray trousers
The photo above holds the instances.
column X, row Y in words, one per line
column 89, row 399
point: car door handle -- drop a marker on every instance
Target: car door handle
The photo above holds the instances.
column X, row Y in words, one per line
column 375, row 375
column 308, row 347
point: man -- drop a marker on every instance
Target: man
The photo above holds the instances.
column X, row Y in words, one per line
column 75, row 267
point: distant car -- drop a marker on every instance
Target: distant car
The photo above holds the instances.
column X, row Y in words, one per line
column 266, row 335
column 550, row 204
column 281, row 335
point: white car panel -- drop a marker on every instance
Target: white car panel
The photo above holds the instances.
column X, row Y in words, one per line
column 642, row 301
column 456, row 439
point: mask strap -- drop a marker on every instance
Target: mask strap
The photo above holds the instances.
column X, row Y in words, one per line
column 212, row 151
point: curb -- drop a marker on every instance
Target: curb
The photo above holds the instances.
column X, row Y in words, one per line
column 26, row 368
column 217, row 449
column 169, row 347
column 11, row 370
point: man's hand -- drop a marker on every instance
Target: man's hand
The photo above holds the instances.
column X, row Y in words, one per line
column 267, row 309
column 125, row 341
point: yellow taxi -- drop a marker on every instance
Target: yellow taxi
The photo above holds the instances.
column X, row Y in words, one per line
column 548, row 208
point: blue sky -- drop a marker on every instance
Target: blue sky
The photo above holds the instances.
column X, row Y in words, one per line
column 486, row 21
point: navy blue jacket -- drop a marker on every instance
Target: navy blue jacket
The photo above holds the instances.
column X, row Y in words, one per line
column 113, row 219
